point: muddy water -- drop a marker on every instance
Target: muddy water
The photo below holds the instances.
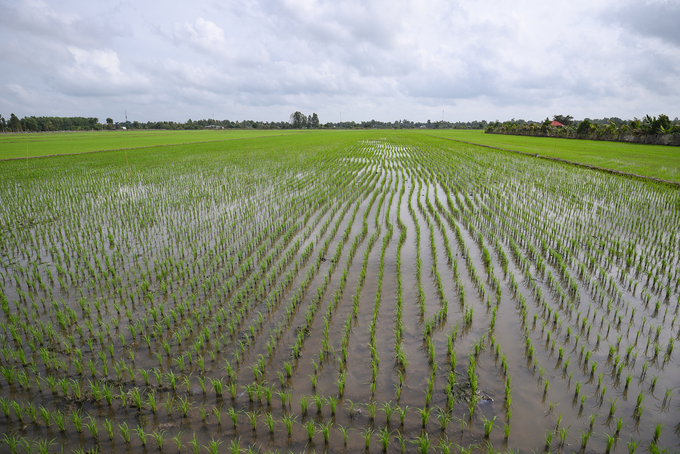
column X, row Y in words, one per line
column 198, row 233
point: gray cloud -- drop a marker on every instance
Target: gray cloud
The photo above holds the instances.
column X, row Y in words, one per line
column 660, row 19
column 367, row 59
column 40, row 22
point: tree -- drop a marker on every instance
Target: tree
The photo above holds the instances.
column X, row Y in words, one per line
column 3, row 123
column 298, row 120
column 109, row 123
column 30, row 124
column 545, row 124
column 662, row 125
column 583, row 128
column 14, row 123
column 314, row 121
column 566, row 120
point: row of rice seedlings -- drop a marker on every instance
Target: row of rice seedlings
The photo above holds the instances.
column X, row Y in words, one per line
column 421, row 292
column 373, row 347
column 439, row 316
column 401, row 359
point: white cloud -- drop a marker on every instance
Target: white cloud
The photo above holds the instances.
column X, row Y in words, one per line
column 202, row 34
column 96, row 65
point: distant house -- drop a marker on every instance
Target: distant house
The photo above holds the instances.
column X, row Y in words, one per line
column 214, row 127
column 556, row 123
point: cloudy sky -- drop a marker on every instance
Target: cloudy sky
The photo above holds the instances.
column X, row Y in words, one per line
column 349, row 59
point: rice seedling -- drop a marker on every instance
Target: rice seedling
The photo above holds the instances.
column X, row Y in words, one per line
column 422, row 443
column 506, row 429
column 387, row 408
column 325, row 429
column 43, row 446
column 609, row 442
column 185, row 405
column 318, row 402
column 371, row 408
column 44, row 414
column 4, row 404
column 488, row 426
column 217, row 385
column 424, row 415
column 213, row 446
column 343, row 430
column 548, row 440
column 124, row 431
column 612, row 407
column 93, row 428
column 585, row 436
column 658, row 427
column 444, row 418
column 288, row 421
column 169, row 404
column 252, row 418
column 177, row 439
column 384, row 438
column 401, row 411
column 217, row 411
column 304, row 402
column 234, row 446
column 12, row 442
column 563, row 433
column 233, row 415
column 311, row 430
column 151, row 401
column 107, row 392
column 269, row 422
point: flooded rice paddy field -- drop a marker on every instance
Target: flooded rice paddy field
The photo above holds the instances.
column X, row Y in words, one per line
column 383, row 295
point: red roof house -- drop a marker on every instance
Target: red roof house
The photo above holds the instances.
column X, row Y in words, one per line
column 556, row 123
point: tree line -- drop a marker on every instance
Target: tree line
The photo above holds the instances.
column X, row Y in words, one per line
column 46, row 124
column 14, row 124
column 649, row 129
column 297, row 120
